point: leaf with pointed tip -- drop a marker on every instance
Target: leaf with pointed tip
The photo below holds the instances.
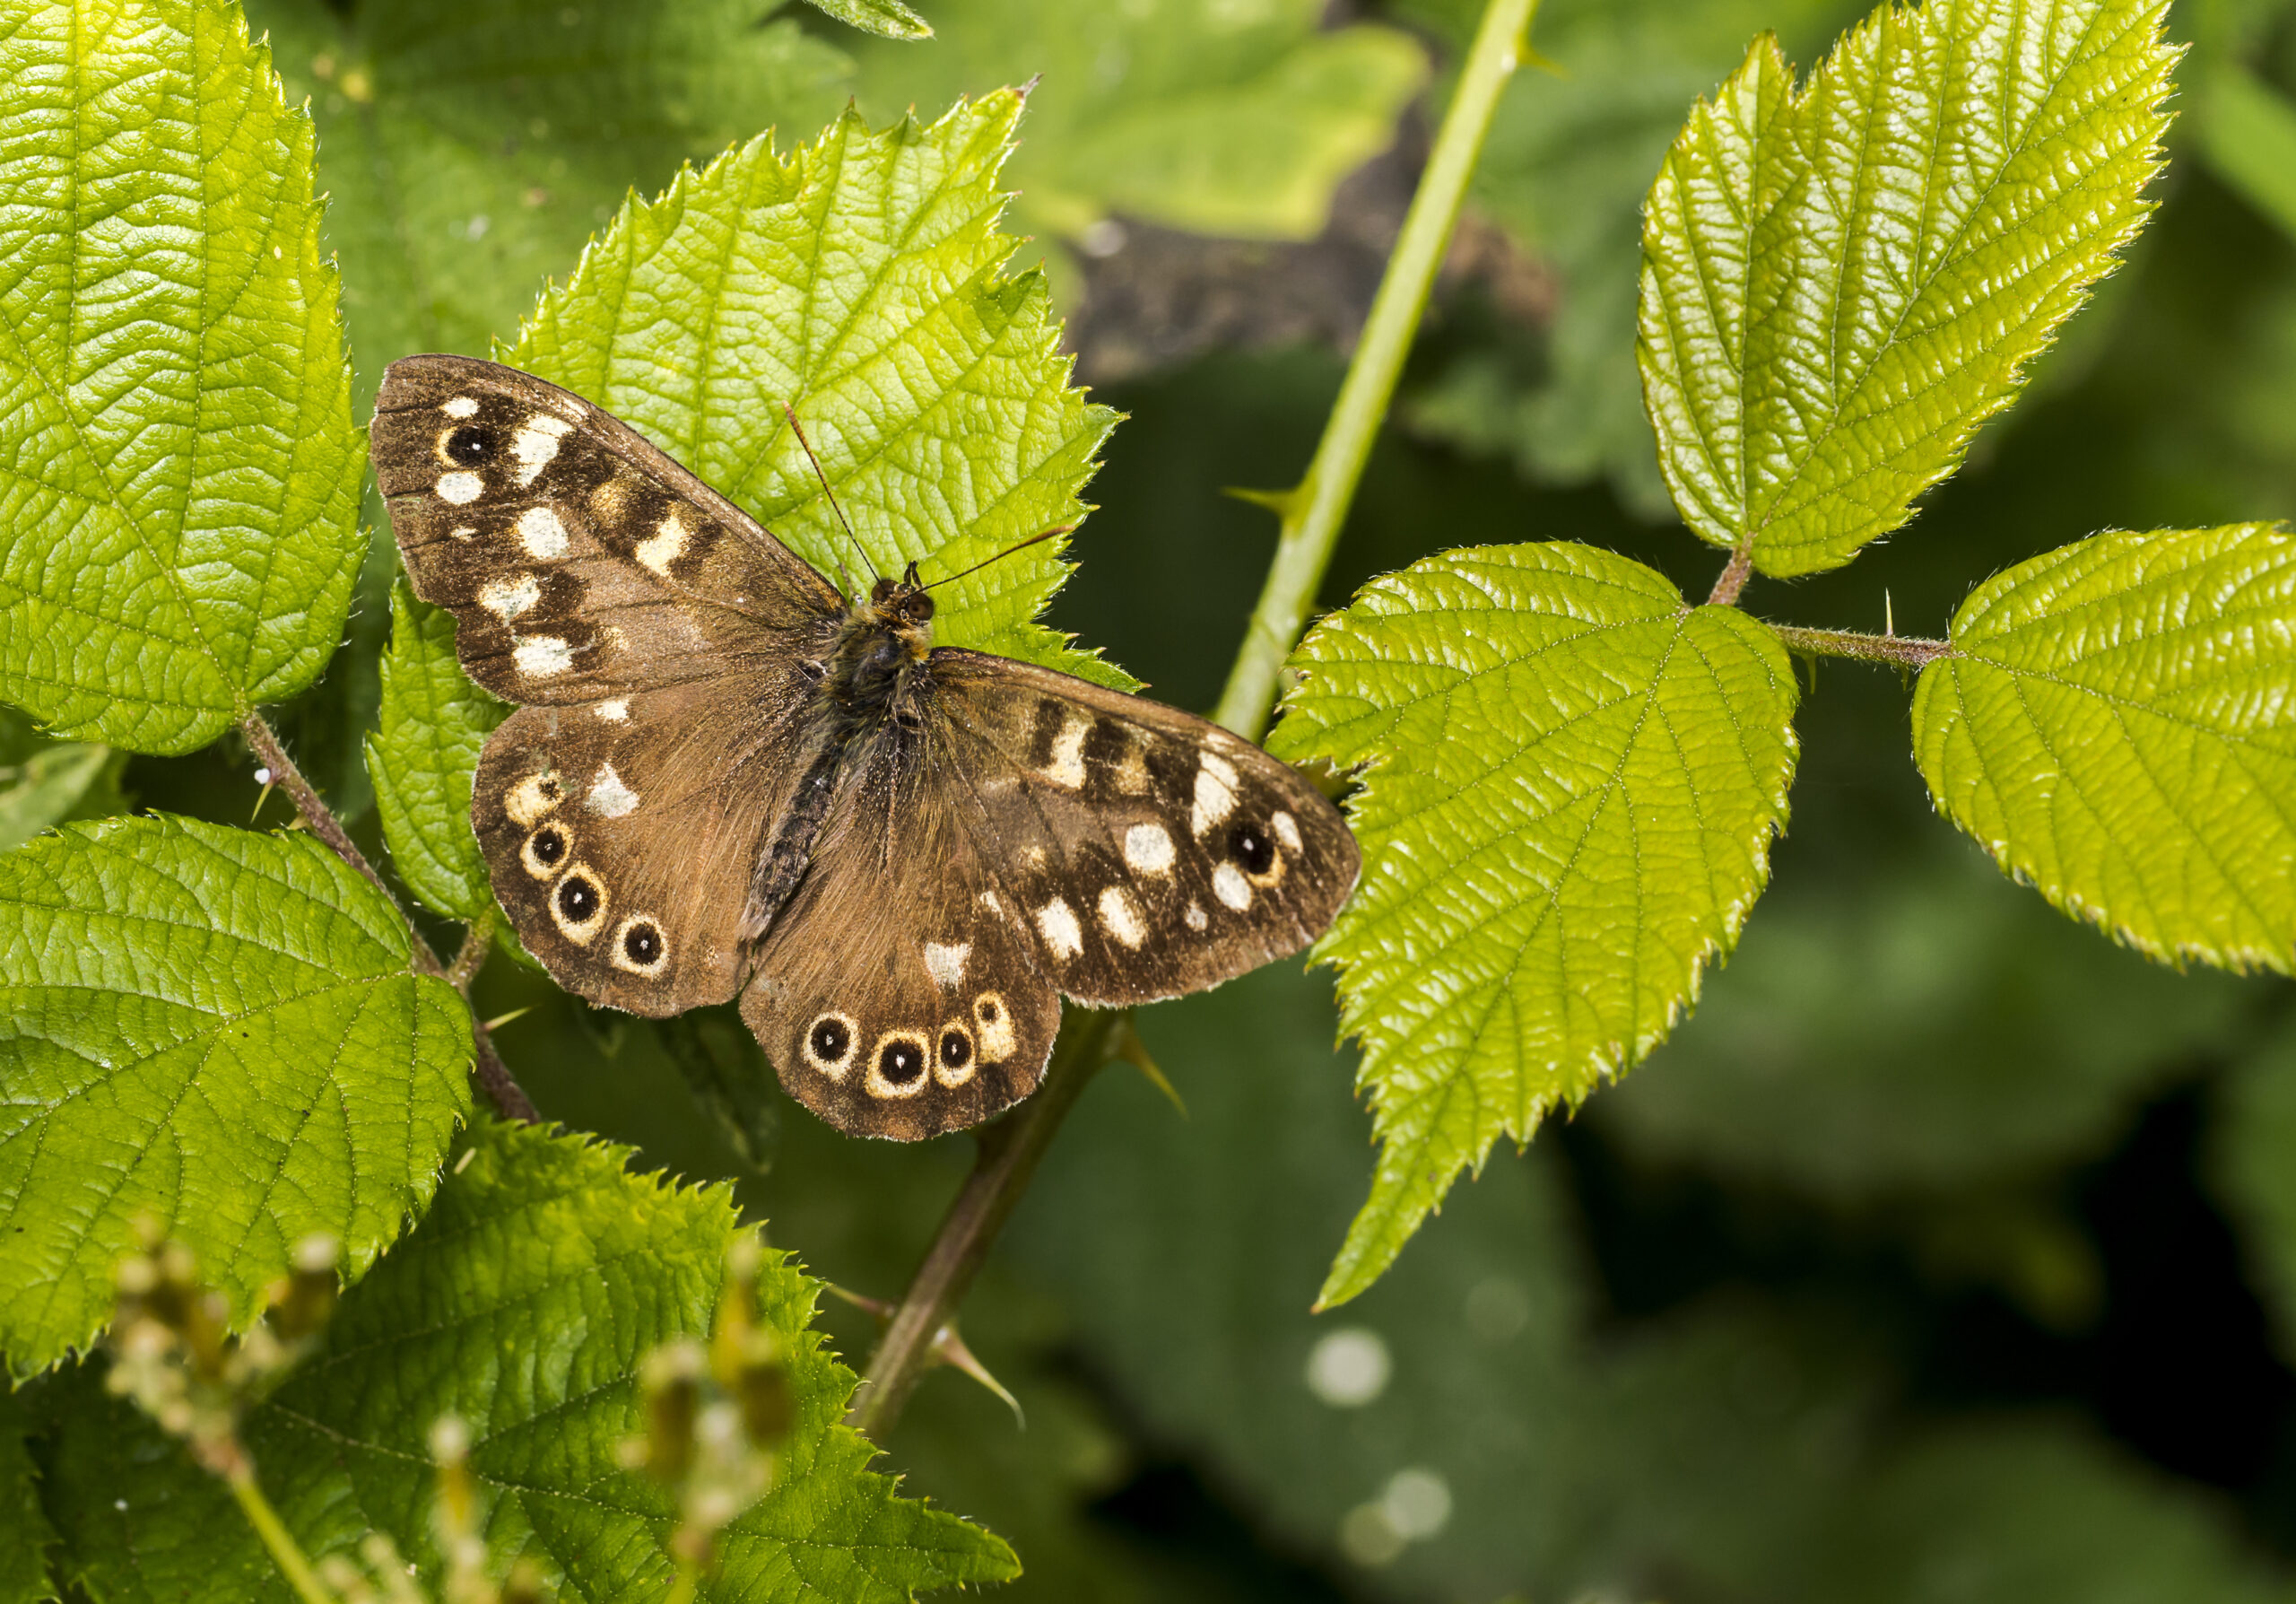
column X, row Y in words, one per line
column 1841, row 282
column 523, row 1304
column 178, row 520
column 421, row 758
column 887, row 19
column 2112, row 725
column 859, row 280
column 1570, row 782
column 216, row 1029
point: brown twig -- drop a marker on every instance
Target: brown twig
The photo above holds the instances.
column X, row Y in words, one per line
column 1733, row 578
column 1008, row 1156
column 487, row 1068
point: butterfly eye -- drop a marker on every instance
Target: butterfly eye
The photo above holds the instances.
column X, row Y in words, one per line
column 469, row 445
column 1251, row 847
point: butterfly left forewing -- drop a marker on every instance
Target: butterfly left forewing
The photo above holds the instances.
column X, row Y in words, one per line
column 1152, row 853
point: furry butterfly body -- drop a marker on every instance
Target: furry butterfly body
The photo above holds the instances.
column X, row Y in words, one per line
column 724, row 778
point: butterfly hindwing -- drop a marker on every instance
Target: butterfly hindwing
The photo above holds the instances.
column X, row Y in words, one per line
column 1152, row 852
column 898, row 993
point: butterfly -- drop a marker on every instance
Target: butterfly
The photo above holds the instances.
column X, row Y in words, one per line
column 727, row 777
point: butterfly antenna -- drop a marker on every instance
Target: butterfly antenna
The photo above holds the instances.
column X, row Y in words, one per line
column 1008, row 550
column 798, row 430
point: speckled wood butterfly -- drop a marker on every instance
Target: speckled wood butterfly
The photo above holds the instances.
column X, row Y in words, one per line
column 725, row 777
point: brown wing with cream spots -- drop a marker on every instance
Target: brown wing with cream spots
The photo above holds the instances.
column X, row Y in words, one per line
column 1150, row 853
column 622, row 835
column 898, row 993
column 575, row 558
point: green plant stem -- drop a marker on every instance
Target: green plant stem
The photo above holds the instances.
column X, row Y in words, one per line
column 273, row 1530
column 1314, row 510
column 1906, row 652
column 1008, row 1154
column 487, row 1068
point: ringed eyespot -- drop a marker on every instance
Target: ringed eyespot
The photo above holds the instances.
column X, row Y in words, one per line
column 828, row 1045
column 997, row 1039
column 468, row 446
column 1252, row 847
column 638, row 947
column 578, row 906
column 898, row 1067
column 544, row 851
column 953, row 1065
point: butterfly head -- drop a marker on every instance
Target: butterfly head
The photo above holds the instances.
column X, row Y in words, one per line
column 901, row 603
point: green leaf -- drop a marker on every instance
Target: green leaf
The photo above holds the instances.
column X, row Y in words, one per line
column 1572, row 781
column 1204, row 115
column 25, row 1533
column 470, row 151
column 887, row 19
column 858, row 279
column 217, row 1029
column 48, row 786
column 523, row 1304
column 2248, row 135
column 1840, row 286
column 433, row 723
column 186, row 548
column 2110, row 726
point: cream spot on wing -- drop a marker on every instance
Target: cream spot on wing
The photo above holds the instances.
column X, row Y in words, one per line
column 507, row 598
column 531, row 798
column 460, row 487
column 610, row 795
column 946, row 963
column 1131, row 773
column 461, row 406
column 1067, row 767
column 1195, row 915
column 1287, row 831
column 1228, row 885
column 608, row 499
column 1119, row 918
column 1215, row 793
column 537, row 442
column 1148, row 848
column 988, row 899
column 663, row 546
column 540, row 657
column 1033, row 857
column 994, row 1021
column 616, row 711
column 545, row 535
column 462, row 531
column 1058, row 921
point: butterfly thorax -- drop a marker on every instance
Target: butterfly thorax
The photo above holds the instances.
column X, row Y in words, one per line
column 881, row 646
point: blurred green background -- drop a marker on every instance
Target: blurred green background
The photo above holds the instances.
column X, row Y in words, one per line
column 1948, row 1253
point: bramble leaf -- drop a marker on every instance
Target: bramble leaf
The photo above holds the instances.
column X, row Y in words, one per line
column 858, row 279
column 2112, row 727
column 1572, row 779
column 216, row 1029
column 1203, row 115
column 468, row 152
column 421, row 758
column 25, row 1534
column 179, row 517
column 523, row 1304
column 888, row 19
column 1840, row 284
column 48, row 784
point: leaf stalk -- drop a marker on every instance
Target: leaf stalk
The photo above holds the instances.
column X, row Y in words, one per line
column 1313, row 511
column 1906, row 652
column 276, row 1539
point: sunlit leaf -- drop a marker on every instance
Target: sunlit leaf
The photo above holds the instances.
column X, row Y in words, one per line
column 434, row 720
column 1570, row 783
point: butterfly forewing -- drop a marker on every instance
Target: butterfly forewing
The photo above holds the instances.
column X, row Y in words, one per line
column 1151, row 852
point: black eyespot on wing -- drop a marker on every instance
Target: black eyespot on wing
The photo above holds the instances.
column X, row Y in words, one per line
column 1251, row 847
column 988, row 1012
column 469, row 445
column 549, row 847
column 642, row 944
column 900, row 1062
column 831, row 1041
column 956, row 1050
column 578, row 900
